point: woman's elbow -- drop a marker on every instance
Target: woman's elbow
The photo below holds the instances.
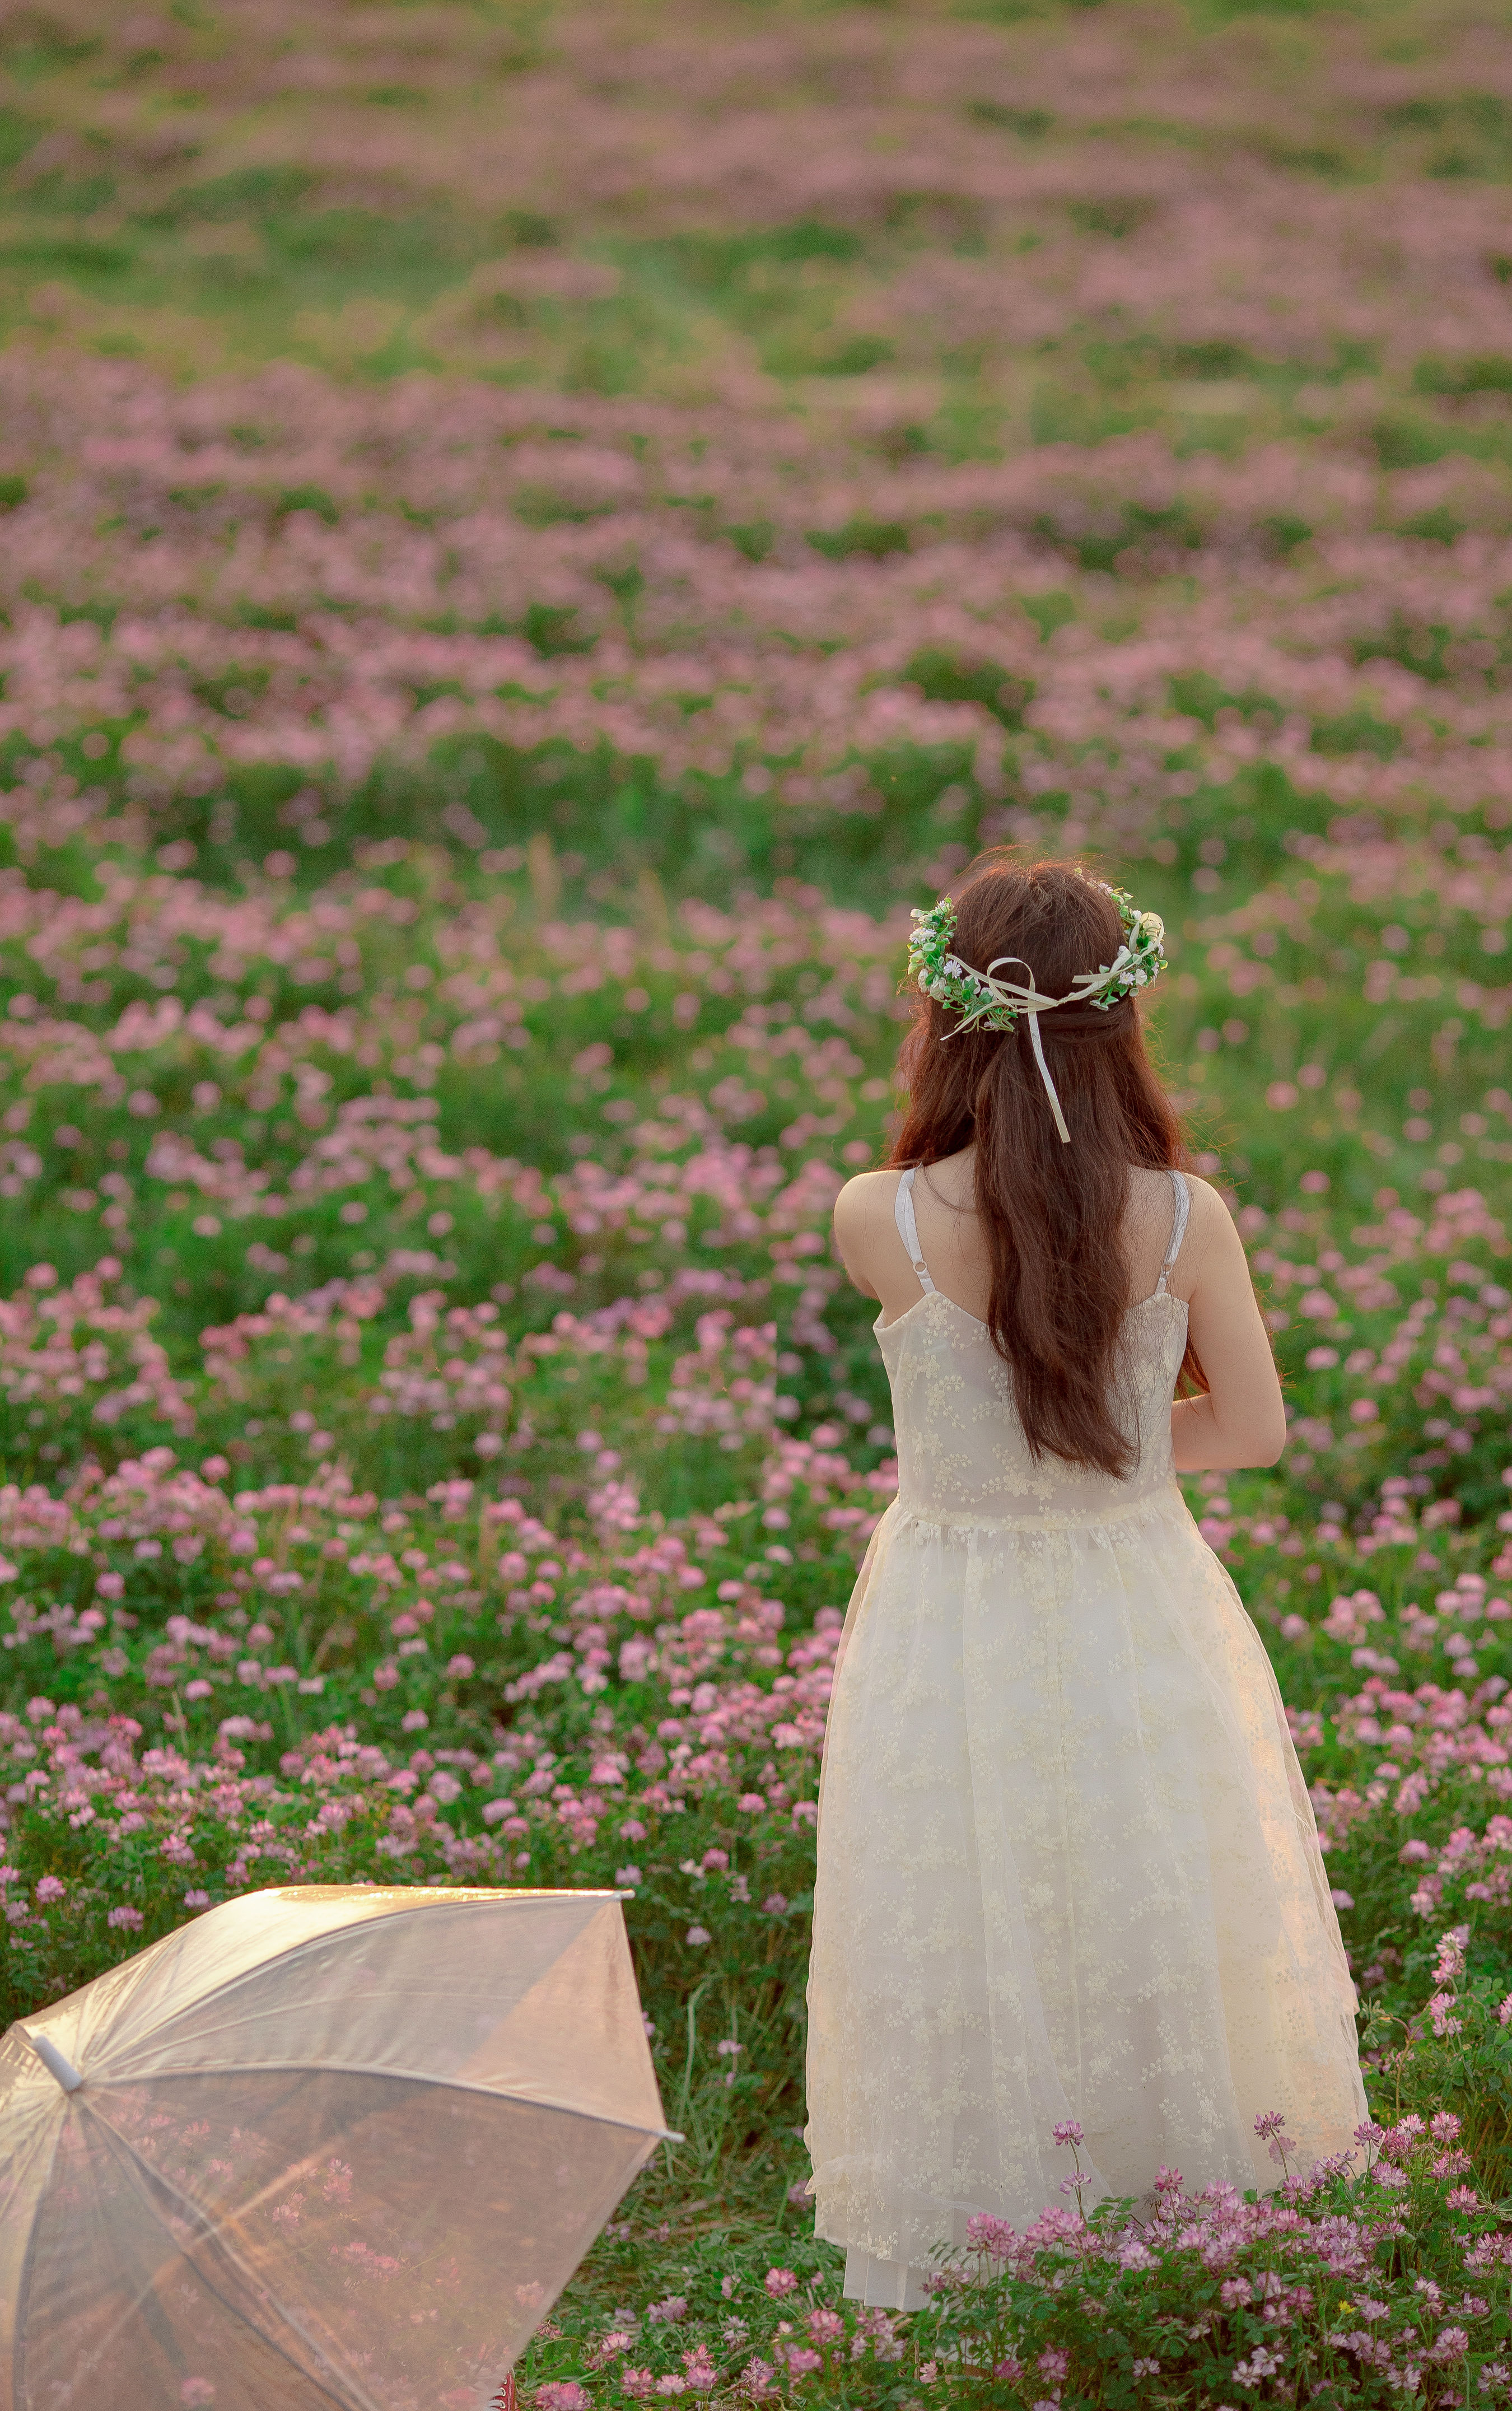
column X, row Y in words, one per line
column 1252, row 1445
column 1269, row 1443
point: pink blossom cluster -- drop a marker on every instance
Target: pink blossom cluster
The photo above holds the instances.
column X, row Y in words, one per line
column 688, row 1703
column 72, row 1347
column 1310, row 2255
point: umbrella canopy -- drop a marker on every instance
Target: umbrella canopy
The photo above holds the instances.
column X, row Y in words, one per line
column 328, row 2146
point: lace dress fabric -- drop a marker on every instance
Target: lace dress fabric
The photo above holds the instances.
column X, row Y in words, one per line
column 1067, row 1866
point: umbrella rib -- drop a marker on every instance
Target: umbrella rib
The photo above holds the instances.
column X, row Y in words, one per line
column 398, row 2076
column 155, row 2179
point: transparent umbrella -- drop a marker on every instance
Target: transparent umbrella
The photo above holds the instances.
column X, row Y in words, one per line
column 325, row 2146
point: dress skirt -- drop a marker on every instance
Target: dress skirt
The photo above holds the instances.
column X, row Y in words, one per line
column 1067, row 1868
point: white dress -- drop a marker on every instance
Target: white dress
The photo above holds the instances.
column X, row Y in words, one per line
column 1067, row 1866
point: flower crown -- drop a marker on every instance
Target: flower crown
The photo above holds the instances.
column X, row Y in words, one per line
column 985, row 1001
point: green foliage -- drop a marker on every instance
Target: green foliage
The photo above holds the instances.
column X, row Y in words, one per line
column 262, row 193
column 875, row 538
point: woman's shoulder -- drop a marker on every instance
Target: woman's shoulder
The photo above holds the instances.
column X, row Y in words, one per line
column 871, row 1197
column 1152, row 1214
column 865, row 1227
column 1209, row 1209
column 1154, row 1187
column 868, row 1198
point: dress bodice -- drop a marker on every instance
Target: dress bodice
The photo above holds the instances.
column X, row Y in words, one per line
column 962, row 1452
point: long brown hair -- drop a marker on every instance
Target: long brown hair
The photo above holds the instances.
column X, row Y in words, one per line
column 1051, row 1214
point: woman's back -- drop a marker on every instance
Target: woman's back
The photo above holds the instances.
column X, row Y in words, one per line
column 954, row 1246
column 1207, row 1302
column 962, row 1456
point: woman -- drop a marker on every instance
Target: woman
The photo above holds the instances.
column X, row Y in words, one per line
column 1067, row 1867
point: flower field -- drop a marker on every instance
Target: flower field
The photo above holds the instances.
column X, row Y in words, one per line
column 528, row 538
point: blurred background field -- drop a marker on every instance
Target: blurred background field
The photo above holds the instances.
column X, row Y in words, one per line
column 529, row 538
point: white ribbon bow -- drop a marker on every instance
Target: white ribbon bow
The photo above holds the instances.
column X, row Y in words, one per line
column 1011, row 996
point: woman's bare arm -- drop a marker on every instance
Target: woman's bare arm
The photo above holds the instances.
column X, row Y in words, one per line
column 1242, row 1420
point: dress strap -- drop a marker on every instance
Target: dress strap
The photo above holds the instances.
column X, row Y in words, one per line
column 1178, row 1231
column 908, row 1228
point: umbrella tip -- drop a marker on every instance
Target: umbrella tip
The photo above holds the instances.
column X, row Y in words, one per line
column 53, row 2060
